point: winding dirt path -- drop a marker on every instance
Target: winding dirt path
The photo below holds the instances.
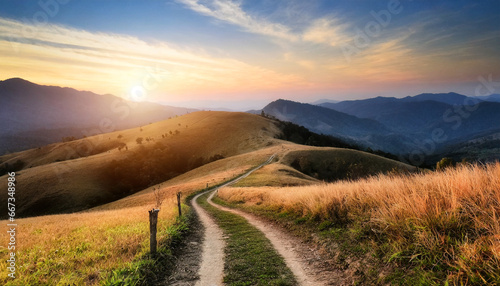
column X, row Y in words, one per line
column 304, row 262
column 212, row 257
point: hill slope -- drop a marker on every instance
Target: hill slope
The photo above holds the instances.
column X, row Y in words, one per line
column 33, row 115
column 77, row 175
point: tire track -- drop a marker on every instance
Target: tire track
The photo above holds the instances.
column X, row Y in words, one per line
column 299, row 259
column 212, row 257
column 295, row 254
column 211, row 270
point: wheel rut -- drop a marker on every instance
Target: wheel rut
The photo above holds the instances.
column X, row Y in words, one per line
column 299, row 258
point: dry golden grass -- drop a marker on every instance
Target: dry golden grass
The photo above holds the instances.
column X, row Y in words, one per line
column 276, row 175
column 84, row 247
column 80, row 248
column 210, row 174
column 448, row 218
column 62, row 177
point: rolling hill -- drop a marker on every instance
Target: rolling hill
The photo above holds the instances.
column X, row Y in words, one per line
column 34, row 115
column 78, row 175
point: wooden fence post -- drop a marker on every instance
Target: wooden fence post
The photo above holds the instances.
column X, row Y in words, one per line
column 179, row 203
column 153, row 222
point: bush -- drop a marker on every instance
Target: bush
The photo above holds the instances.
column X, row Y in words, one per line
column 14, row 167
column 139, row 140
column 445, row 163
column 69, row 139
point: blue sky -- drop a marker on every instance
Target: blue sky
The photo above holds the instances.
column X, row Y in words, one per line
column 246, row 53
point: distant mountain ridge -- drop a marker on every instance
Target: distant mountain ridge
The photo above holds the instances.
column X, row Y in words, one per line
column 367, row 132
column 33, row 115
column 420, row 114
column 426, row 124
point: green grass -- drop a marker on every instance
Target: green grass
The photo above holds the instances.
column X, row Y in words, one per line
column 250, row 256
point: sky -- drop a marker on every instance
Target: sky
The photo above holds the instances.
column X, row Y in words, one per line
column 242, row 54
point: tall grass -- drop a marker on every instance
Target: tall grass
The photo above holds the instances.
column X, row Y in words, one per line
column 94, row 247
column 444, row 221
column 80, row 248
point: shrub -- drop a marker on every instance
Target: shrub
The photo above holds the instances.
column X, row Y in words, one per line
column 445, row 163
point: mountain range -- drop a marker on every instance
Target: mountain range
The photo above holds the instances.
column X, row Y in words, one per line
column 426, row 125
column 419, row 129
column 34, row 115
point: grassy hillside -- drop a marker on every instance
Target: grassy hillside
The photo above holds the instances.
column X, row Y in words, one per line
column 331, row 164
column 94, row 246
column 76, row 175
column 299, row 165
column 110, row 238
column 420, row 229
column 88, row 248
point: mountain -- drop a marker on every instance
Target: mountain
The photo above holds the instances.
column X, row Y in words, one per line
column 419, row 115
column 456, row 118
column 450, row 98
column 321, row 101
column 33, row 115
column 401, row 116
column 370, row 108
column 322, row 120
column 491, row 97
column 366, row 132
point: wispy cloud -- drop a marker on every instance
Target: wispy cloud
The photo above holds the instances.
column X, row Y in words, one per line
column 328, row 31
column 298, row 50
column 231, row 12
column 113, row 63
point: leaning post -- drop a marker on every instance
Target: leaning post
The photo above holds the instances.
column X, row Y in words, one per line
column 153, row 222
column 179, row 203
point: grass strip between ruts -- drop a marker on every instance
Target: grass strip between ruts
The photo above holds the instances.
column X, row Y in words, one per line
column 250, row 257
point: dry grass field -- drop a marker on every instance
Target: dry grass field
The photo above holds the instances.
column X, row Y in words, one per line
column 72, row 176
column 86, row 247
column 444, row 221
column 80, row 248
column 111, row 233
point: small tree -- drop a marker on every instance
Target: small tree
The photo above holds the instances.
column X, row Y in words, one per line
column 139, row 140
column 121, row 146
column 445, row 163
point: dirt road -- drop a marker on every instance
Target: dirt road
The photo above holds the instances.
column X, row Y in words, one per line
column 302, row 261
